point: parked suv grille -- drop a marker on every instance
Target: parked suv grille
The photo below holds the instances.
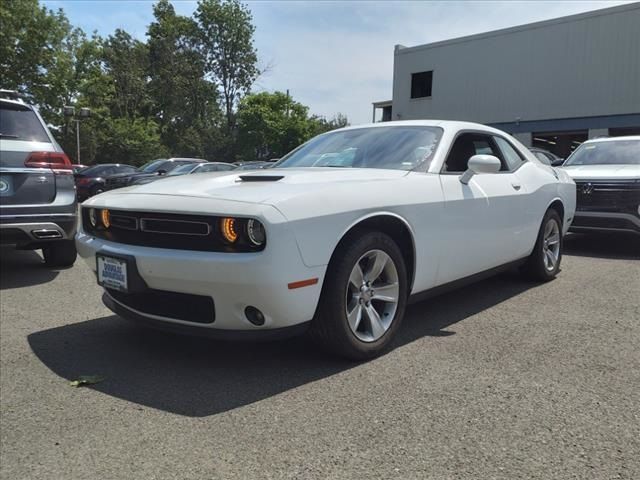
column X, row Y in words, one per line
column 608, row 196
column 165, row 230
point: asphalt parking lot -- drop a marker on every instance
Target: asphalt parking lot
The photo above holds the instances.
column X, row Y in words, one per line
column 504, row 379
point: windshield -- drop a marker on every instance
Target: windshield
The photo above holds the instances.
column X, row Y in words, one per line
column 94, row 170
column 395, row 148
column 151, row 166
column 618, row 152
column 182, row 169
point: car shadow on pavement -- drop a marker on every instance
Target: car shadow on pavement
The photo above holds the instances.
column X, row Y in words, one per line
column 199, row 377
column 22, row 268
column 603, row 245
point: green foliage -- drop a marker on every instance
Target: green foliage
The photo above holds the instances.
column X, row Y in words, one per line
column 226, row 33
column 30, row 38
column 272, row 124
column 183, row 92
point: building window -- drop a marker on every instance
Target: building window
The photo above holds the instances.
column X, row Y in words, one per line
column 421, row 84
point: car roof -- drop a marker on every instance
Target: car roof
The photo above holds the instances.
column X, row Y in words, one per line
column 18, row 102
column 446, row 124
column 613, row 139
column 182, row 159
column 110, row 165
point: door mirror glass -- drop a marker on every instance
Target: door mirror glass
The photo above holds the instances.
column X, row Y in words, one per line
column 162, row 172
column 479, row 165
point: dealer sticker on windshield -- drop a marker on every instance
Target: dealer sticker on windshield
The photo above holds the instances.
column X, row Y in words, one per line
column 112, row 273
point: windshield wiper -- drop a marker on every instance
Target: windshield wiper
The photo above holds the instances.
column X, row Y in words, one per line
column 8, row 135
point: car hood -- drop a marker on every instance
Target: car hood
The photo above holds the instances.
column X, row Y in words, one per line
column 603, row 172
column 264, row 186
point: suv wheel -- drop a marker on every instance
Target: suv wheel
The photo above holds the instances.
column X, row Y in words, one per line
column 363, row 297
column 60, row 254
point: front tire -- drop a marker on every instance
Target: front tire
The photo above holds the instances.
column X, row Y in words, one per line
column 363, row 297
column 544, row 262
column 60, row 254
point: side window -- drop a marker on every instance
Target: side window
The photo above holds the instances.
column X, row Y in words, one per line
column 510, row 155
column 542, row 157
column 466, row 146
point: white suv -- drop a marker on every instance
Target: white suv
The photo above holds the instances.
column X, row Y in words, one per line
column 607, row 176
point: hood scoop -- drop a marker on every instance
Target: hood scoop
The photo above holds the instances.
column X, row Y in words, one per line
column 261, row 178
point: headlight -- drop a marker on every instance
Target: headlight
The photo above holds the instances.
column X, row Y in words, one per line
column 228, row 229
column 106, row 218
column 255, row 232
column 246, row 234
column 93, row 217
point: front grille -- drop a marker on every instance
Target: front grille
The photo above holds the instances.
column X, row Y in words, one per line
column 166, row 230
column 179, row 227
column 609, row 196
column 179, row 306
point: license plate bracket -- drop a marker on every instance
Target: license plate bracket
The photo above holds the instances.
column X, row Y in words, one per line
column 112, row 272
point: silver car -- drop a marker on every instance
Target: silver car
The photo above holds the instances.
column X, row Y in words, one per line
column 37, row 190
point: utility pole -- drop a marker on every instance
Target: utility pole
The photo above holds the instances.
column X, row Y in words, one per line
column 77, row 141
column 84, row 112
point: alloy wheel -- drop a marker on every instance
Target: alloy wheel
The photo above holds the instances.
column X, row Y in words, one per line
column 551, row 245
column 372, row 295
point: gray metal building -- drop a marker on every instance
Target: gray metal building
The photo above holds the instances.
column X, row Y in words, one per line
column 553, row 84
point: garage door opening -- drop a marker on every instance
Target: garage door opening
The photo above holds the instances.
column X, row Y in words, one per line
column 560, row 143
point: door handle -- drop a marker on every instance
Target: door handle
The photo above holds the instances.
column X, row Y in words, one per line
column 516, row 186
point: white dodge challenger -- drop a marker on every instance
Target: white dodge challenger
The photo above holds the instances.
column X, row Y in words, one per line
column 335, row 239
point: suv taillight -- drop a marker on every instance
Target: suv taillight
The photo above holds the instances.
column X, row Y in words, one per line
column 56, row 161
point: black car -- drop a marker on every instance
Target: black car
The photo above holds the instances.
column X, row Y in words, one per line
column 90, row 180
column 546, row 157
column 154, row 168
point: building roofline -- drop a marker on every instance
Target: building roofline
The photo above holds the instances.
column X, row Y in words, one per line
column 400, row 49
column 382, row 103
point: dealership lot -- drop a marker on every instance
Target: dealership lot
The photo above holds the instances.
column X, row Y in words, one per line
column 503, row 379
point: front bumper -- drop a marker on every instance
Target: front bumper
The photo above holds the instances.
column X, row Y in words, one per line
column 605, row 222
column 233, row 280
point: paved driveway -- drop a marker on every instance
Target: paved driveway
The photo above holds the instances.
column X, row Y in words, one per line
column 503, row 379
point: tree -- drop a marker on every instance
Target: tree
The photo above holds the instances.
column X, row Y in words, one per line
column 322, row 125
column 185, row 103
column 126, row 62
column 272, row 124
column 226, row 33
column 30, row 38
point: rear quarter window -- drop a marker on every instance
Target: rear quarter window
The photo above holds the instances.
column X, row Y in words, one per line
column 21, row 123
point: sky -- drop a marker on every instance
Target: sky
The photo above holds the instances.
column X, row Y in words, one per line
column 336, row 56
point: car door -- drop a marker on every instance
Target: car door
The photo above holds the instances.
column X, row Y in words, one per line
column 482, row 220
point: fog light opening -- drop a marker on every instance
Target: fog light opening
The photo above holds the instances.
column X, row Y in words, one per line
column 254, row 315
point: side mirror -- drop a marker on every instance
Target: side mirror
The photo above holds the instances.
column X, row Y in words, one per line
column 478, row 165
column 162, row 172
column 557, row 163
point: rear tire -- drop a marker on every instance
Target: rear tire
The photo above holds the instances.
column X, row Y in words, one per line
column 60, row 254
column 97, row 190
column 363, row 297
column 544, row 262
